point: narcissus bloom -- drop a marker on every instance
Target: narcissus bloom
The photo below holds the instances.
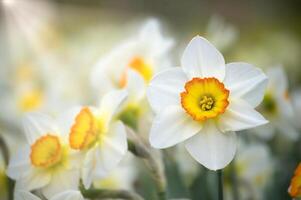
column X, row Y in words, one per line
column 100, row 137
column 204, row 102
column 143, row 53
column 295, row 188
column 130, row 66
column 277, row 107
column 254, row 166
column 46, row 163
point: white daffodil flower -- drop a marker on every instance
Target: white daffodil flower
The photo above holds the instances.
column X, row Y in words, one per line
column 277, row 107
column 143, row 54
column 204, row 103
column 46, row 162
column 122, row 177
column 254, row 167
column 99, row 137
column 131, row 66
column 221, row 33
column 66, row 195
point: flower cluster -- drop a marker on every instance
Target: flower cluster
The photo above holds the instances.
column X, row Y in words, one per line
column 80, row 124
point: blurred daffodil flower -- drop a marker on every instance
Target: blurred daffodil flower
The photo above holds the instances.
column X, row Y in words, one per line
column 131, row 65
column 277, row 107
column 253, row 168
column 204, row 102
column 121, row 177
column 221, row 33
column 46, row 162
column 100, row 137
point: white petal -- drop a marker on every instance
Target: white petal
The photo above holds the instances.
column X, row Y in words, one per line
column 172, row 126
column 112, row 150
column 136, row 86
column 34, row 179
column 66, row 119
column 25, row 195
column 100, row 81
column 62, row 181
column 88, row 167
column 19, row 163
column 165, row 88
column 152, row 40
column 277, row 80
column 68, row 195
column 111, row 102
column 202, row 59
column 211, row 147
column 38, row 124
column 245, row 81
column 239, row 116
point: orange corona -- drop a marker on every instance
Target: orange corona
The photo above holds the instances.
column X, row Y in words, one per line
column 46, row 151
column 85, row 130
column 295, row 187
column 204, row 98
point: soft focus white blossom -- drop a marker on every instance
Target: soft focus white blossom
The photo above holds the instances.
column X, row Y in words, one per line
column 46, row 162
column 277, row 107
column 99, row 137
column 253, row 167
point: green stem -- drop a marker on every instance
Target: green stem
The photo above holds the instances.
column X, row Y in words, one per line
column 220, row 185
column 233, row 177
column 110, row 194
column 141, row 150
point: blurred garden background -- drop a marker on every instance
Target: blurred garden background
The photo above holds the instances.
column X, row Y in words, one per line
column 48, row 49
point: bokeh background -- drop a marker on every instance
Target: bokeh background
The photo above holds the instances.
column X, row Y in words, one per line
column 48, row 47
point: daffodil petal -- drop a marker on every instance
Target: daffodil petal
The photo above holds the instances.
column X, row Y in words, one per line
column 19, row 163
column 201, row 59
column 277, row 78
column 38, row 124
column 165, row 88
column 211, row 147
column 34, row 179
column 100, row 81
column 150, row 35
column 66, row 119
column 239, row 116
column 111, row 102
column 135, row 86
column 172, row 126
column 112, row 150
column 88, row 167
column 62, row 181
column 245, row 81
column 25, row 195
column 68, row 195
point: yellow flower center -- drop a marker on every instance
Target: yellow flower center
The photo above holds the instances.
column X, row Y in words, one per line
column 46, row 151
column 86, row 130
column 204, row 98
column 31, row 100
column 139, row 65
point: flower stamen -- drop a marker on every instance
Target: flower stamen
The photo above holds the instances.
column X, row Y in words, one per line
column 204, row 98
